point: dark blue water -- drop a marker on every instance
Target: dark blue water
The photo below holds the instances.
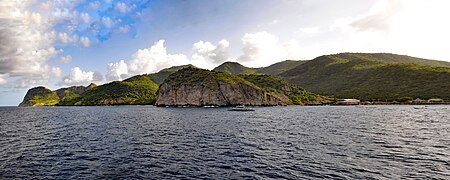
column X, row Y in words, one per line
column 145, row 142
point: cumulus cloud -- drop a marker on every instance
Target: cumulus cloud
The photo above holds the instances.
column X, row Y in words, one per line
column 124, row 8
column 29, row 30
column 2, row 80
column 215, row 53
column 26, row 42
column 263, row 49
column 107, row 22
column 151, row 59
column 144, row 61
column 56, row 71
column 46, row 5
column 80, row 77
column 85, row 42
column 117, row 71
column 65, row 59
column 85, row 17
column 123, row 29
column 66, row 38
column 93, row 5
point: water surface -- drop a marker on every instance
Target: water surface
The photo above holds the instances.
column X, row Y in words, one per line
column 146, row 142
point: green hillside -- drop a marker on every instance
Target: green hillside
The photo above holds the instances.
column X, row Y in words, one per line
column 280, row 67
column 276, row 85
column 39, row 96
column 234, row 68
column 272, row 85
column 135, row 90
column 159, row 77
column 274, row 69
column 373, row 76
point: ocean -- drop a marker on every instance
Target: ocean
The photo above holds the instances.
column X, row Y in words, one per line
column 294, row 142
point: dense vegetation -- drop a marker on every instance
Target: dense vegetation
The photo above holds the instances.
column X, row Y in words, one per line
column 274, row 69
column 192, row 75
column 276, row 85
column 40, row 96
column 160, row 76
column 135, row 90
column 378, row 76
column 373, row 77
column 270, row 84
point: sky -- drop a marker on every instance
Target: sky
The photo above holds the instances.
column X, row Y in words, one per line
column 60, row 43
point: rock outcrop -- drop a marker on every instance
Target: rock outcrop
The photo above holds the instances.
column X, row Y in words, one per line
column 198, row 87
column 221, row 94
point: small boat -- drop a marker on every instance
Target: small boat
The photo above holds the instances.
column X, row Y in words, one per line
column 420, row 107
column 241, row 108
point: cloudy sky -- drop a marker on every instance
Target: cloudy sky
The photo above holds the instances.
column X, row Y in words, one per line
column 58, row 43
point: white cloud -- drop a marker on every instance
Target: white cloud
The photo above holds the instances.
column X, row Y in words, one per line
column 56, row 71
column 263, row 49
column 2, row 80
column 413, row 27
column 66, row 38
column 107, row 22
column 65, row 59
column 121, row 7
column 155, row 58
column 85, row 18
column 123, row 29
column 207, row 52
column 117, row 71
column 79, row 77
column 93, row 5
column 124, row 8
column 46, row 5
column 27, row 35
column 85, row 42
column 309, row 30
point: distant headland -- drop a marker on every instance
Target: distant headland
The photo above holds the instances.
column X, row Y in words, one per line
column 341, row 79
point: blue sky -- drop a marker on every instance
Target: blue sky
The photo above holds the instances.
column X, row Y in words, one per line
column 62, row 43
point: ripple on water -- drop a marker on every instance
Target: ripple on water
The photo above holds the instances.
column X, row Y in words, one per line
column 141, row 142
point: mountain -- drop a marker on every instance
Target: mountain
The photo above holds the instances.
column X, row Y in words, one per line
column 280, row 67
column 138, row 89
column 234, row 68
column 373, row 76
column 198, row 87
column 159, row 77
column 274, row 69
column 39, row 96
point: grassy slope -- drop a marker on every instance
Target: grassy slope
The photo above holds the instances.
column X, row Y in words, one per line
column 270, row 84
column 160, row 76
column 373, row 76
column 40, row 97
column 274, row 69
column 135, row 90
column 276, row 85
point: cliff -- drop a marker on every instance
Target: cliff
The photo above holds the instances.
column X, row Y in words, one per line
column 197, row 87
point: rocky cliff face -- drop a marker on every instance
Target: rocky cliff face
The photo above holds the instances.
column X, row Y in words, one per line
column 197, row 87
column 223, row 94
